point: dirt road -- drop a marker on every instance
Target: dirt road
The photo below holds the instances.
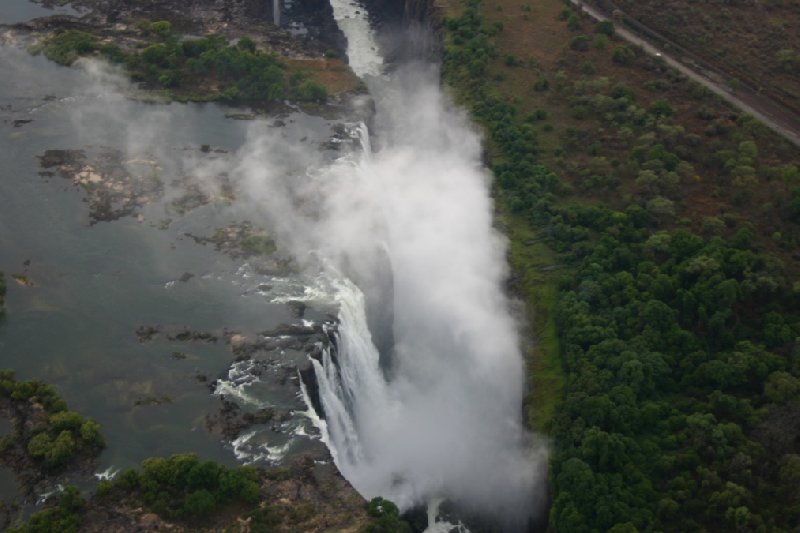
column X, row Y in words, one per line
column 781, row 120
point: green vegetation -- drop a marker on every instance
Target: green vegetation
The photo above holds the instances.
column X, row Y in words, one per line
column 675, row 317
column 52, row 436
column 66, row 47
column 195, row 69
column 64, row 517
column 257, row 245
column 384, row 518
column 185, row 488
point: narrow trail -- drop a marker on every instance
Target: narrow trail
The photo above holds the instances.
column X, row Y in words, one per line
column 778, row 118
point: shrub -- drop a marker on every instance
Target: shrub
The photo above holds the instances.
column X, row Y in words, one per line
column 162, row 28
column 64, row 517
column 541, row 84
column 623, row 55
column 198, row 504
column 661, row 108
column 65, row 47
column 312, row 91
column 384, row 518
column 606, row 27
column 248, row 44
column 579, row 43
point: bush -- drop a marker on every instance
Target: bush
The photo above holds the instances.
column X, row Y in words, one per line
column 623, row 55
column 247, row 44
column 65, row 436
column 384, row 518
column 605, row 27
column 311, row 91
column 162, row 28
column 579, row 43
column 65, row 47
column 183, row 487
column 199, row 504
column 64, row 517
column 155, row 54
column 661, row 108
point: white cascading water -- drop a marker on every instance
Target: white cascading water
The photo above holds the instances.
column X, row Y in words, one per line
column 446, row 424
column 406, row 225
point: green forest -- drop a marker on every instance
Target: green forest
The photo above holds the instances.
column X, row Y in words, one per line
column 677, row 339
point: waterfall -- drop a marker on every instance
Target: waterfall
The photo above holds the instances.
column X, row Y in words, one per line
column 405, row 228
column 276, row 12
column 363, row 137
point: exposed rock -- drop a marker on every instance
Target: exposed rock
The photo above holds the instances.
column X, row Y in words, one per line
column 115, row 187
column 146, row 333
column 231, row 421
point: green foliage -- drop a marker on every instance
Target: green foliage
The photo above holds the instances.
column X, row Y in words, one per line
column 162, row 28
column 248, row 44
column 579, row 43
column 257, row 245
column 67, row 46
column 311, row 91
column 64, row 517
column 64, row 436
column 681, row 348
column 264, row 520
column 240, row 71
column 384, row 518
column 183, row 487
column 661, row 108
column 605, row 27
column 623, row 55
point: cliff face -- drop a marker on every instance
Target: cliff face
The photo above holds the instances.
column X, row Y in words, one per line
column 407, row 29
column 420, row 11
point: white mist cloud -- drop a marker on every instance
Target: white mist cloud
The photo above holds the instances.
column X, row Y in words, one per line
column 447, row 421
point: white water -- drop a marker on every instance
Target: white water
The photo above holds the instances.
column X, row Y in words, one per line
column 446, row 424
column 362, row 50
column 405, row 226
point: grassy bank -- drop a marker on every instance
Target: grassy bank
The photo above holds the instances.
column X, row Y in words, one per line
column 671, row 221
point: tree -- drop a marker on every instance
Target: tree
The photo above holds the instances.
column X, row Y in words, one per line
column 605, row 27
column 623, row 55
column 661, row 108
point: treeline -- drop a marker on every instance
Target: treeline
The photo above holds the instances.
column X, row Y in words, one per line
column 196, row 69
column 679, row 339
column 184, row 488
column 198, row 494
